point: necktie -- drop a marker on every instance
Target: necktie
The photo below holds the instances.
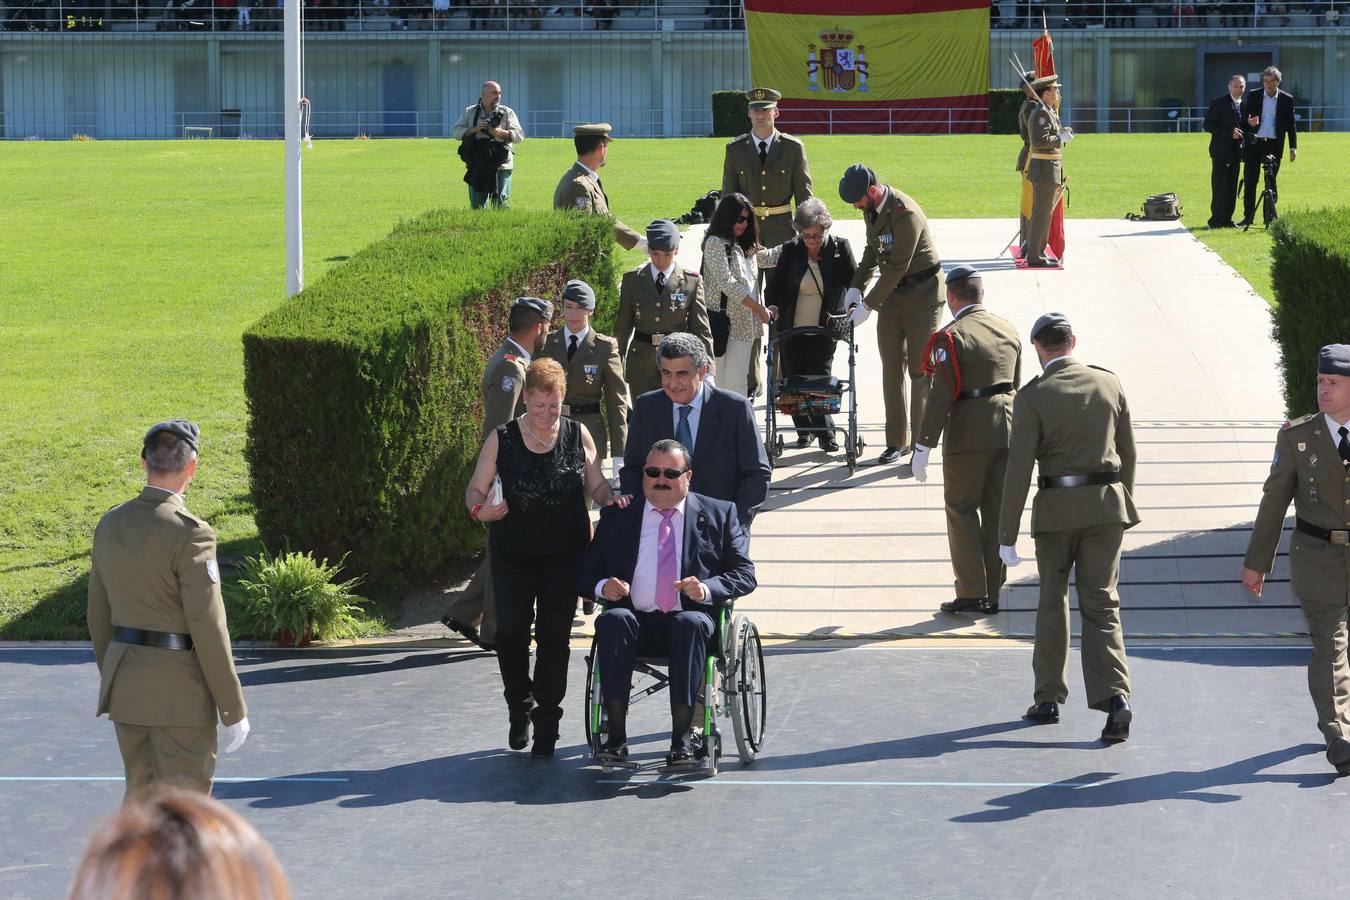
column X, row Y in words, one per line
column 682, row 432
column 571, row 347
column 1344, row 445
column 667, row 566
column 660, row 282
column 763, row 152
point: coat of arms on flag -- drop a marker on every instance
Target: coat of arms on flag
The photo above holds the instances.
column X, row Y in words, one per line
column 836, row 65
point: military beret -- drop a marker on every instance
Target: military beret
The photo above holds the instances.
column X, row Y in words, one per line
column 600, row 128
column 857, row 179
column 1045, row 81
column 185, row 431
column 543, row 307
column 1049, row 319
column 1334, row 359
column 580, row 293
column 763, row 98
column 663, row 235
column 960, row 273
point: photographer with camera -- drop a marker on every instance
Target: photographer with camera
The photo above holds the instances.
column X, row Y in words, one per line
column 486, row 132
column 1270, row 120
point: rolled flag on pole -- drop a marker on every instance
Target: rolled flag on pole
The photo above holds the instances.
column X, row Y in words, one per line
column 1043, row 49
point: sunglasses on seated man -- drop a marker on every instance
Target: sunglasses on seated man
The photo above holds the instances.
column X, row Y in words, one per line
column 671, row 474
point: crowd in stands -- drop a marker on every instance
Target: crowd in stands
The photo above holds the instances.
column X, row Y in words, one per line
column 1186, row 14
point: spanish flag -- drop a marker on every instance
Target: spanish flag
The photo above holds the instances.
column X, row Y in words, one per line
column 873, row 66
column 1043, row 49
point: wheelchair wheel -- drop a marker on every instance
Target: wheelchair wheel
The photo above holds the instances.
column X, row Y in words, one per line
column 748, row 692
column 595, row 719
column 712, row 741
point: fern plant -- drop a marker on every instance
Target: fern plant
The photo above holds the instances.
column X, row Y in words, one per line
column 292, row 596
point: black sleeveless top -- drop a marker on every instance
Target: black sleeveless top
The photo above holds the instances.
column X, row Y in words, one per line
column 545, row 494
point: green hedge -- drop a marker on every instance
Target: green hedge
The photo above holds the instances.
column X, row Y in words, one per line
column 1003, row 106
column 364, row 391
column 1310, row 268
column 730, row 111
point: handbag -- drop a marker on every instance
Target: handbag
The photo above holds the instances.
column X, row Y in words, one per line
column 719, row 322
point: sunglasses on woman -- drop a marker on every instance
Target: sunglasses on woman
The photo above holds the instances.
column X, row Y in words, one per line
column 744, row 217
column 671, row 474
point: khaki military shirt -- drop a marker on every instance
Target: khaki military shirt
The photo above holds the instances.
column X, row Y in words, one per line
column 775, row 187
column 899, row 243
column 987, row 352
column 503, row 387
column 1024, row 129
column 1071, row 420
column 154, row 568
column 678, row 307
column 594, row 374
column 580, row 189
column 1045, row 138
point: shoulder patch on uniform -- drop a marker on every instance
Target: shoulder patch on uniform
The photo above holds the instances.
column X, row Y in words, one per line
column 582, row 202
column 213, row 571
column 941, row 354
column 509, row 357
column 508, row 383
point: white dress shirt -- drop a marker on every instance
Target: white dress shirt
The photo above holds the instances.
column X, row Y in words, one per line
column 580, row 336
column 695, row 414
column 589, row 171
column 669, row 271
column 1335, row 429
column 767, row 142
column 642, row 591
column 1267, row 127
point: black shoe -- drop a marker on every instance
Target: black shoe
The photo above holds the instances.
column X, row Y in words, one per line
column 1041, row 264
column 681, row 756
column 1338, row 754
column 587, row 607
column 804, row 440
column 1046, row 712
column 613, row 752
column 1118, row 720
column 519, row 734
column 543, row 746
column 829, row 444
column 890, row 455
column 968, row 604
column 1245, row 223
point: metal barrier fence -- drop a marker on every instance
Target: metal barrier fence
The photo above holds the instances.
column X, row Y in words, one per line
column 1216, row 14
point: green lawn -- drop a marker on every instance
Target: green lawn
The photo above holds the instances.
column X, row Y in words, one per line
column 130, row 269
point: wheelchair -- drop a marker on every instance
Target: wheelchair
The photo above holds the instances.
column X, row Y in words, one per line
column 733, row 685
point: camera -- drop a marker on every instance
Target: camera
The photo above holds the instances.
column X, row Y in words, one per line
column 493, row 121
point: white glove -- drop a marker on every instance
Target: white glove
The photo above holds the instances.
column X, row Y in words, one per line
column 918, row 463
column 1008, row 553
column 1065, row 135
column 642, row 246
column 852, row 297
column 858, row 314
column 234, row 735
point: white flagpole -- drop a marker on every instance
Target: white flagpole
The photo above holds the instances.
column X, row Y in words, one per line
column 295, row 250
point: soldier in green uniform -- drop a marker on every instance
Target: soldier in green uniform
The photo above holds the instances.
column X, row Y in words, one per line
column 580, row 188
column 1044, row 169
column 656, row 299
column 473, row 614
column 1074, row 422
column 1024, row 112
column 157, row 623
column 770, row 169
column 594, row 372
column 975, row 365
column 1312, row 468
column 907, row 296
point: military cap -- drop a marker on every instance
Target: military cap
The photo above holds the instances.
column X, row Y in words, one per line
column 1045, row 81
column 580, row 293
column 543, row 307
column 1049, row 319
column 599, row 128
column 663, row 235
column 1334, row 359
column 185, row 431
column 763, row 98
column 857, row 179
column 960, row 273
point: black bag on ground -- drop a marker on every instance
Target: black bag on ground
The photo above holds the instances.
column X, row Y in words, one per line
column 1158, row 208
column 702, row 210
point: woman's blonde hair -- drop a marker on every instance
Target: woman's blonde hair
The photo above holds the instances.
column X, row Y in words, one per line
column 546, row 376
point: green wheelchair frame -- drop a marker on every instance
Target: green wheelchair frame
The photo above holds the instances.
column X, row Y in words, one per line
column 733, row 683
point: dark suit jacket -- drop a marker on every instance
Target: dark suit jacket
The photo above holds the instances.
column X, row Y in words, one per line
column 729, row 459
column 785, row 279
column 716, row 550
column 1284, row 118
column 1220, row 120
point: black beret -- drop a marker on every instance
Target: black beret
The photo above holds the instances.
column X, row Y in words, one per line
column 185, row 431
column 959, row 273
column 1334, row 359
column 857, row 179
column 543, row 307
column 580, row 293
column 1049, row 319
column 663, row 235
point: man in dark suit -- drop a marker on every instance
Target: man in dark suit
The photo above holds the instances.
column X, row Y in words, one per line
column 729, row 462
column 1269, row 121
column 1223, row 121
column 660, row 566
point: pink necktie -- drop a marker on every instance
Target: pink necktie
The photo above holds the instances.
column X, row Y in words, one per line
column 667, row 566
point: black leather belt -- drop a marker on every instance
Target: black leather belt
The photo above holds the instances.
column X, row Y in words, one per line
column 643, row 337
column 920, row 276
column 1003, row 387
column 1057, row 481
column 581, row 409
column 1335, row 537
column 165, row 639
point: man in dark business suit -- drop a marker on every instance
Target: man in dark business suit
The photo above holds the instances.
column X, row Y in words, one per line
column 1269, row 120
column 1223, row 121
column 660, row 566
column 729, row 462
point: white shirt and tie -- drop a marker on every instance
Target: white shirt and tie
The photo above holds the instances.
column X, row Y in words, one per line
column 662, row 276
column 574, row 339
column 642, row 591
column 1340, row 431
column 693, row 417
column 763, row 145
column 1266, row 129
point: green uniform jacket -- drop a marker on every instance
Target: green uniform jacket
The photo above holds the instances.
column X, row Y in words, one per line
column 1045, row 138
column 899, row 243
column 578, row 190
column 503, row 387
column 595, row 373
column 154, row 568
column 1024, row 128
column 784, row 179
column 1307, row 469
column 988, row 352
column 680, row 307
column 1072, row 420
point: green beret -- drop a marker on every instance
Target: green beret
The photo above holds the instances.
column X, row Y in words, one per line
column 857, row 179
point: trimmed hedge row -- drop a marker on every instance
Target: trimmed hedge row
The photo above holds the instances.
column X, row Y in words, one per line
column 730, row 113
column 1310, row 268
column 364, row 391
column 1003, row 106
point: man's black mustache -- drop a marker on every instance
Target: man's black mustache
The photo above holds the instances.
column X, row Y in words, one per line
column 660, row 487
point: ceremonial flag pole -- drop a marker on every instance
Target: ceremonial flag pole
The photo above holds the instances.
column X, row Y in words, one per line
column 1043, row 49
column 293, row 108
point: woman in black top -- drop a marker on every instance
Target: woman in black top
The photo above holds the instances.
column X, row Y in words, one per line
column 537, row 529
column 806, row 288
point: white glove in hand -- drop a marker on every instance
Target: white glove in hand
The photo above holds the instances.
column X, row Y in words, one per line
column 642, row 246
column 1065, row 135
column 858, row 314
column 918, row 463
column 1008, row 553
column 234, row 735
column 852, row 297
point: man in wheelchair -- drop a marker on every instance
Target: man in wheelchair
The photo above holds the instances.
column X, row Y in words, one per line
column 661, row 567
